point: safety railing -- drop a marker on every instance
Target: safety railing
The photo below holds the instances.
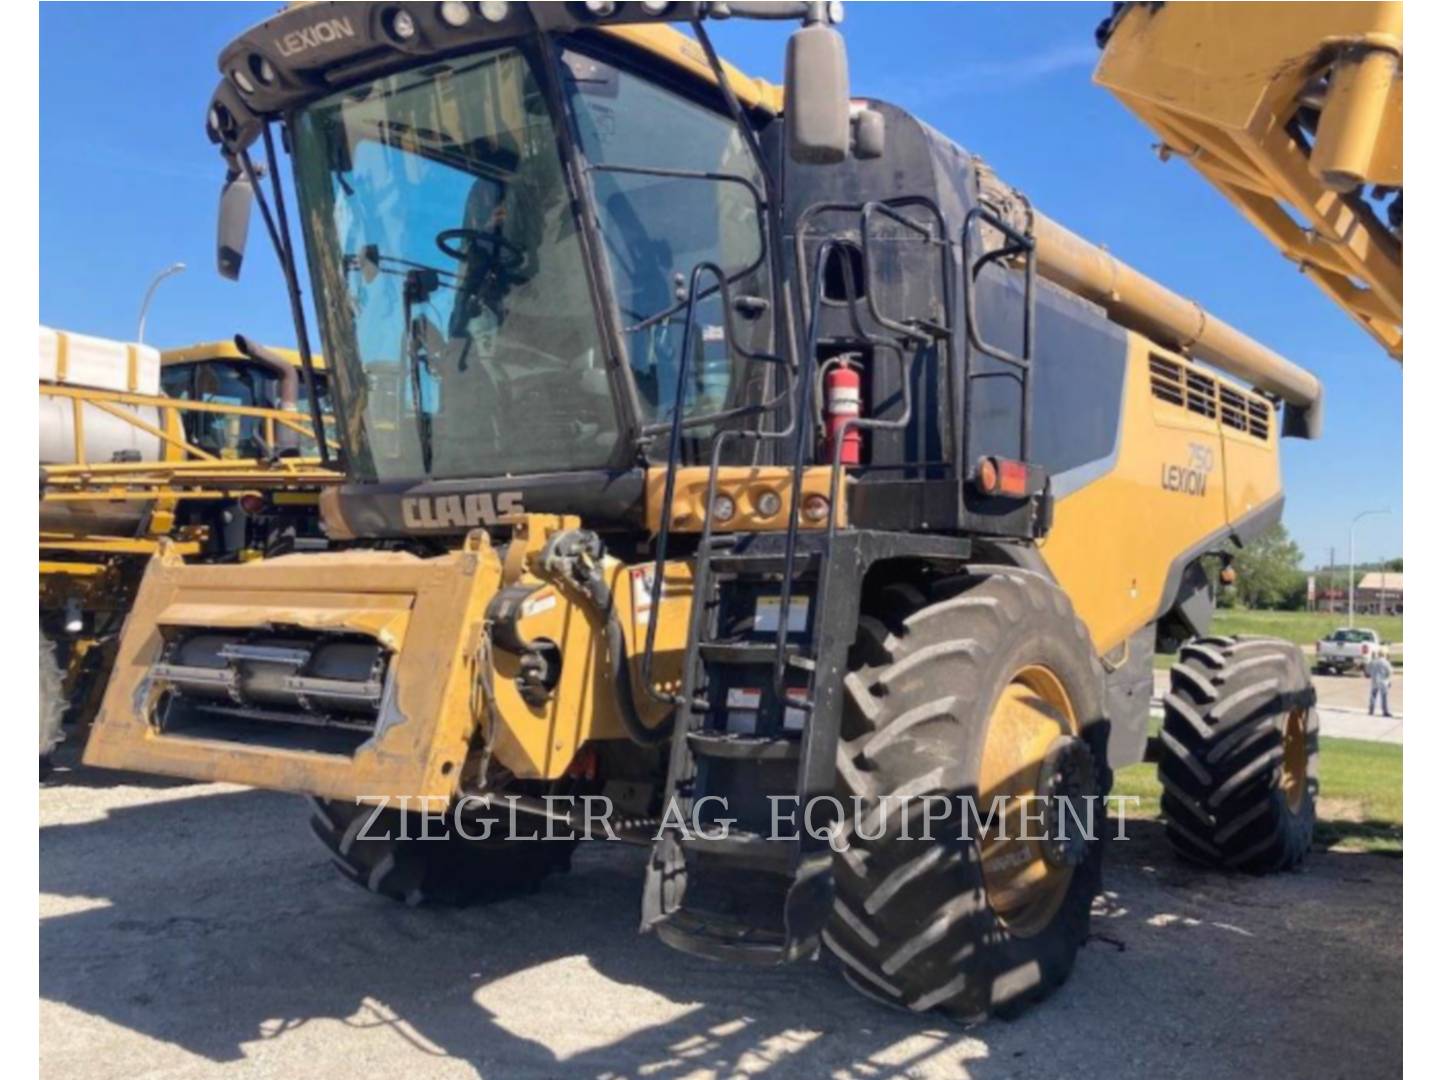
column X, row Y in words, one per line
column 183, row 467
column 274, row 427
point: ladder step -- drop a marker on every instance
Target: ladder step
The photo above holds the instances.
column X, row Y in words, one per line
column 721, row 939
column 745, row 566
column 749, row 850
column 716, row 744
column 749, row 652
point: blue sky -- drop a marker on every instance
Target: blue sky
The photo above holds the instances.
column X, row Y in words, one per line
column 129, row 184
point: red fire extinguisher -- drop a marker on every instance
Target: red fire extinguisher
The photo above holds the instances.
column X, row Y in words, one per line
column 842, row 403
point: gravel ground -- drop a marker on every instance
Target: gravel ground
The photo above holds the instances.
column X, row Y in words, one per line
column 196, row 930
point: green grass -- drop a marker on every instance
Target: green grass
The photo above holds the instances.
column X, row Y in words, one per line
column 1361, row 788
column 1302, row 627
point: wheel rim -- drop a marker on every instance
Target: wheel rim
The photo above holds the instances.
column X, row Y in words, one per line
column 1032, row 726
column 1295, row 764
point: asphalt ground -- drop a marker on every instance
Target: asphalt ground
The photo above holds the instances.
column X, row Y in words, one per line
column 197, row 930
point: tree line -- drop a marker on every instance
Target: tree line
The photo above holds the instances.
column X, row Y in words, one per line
column 1269, row 573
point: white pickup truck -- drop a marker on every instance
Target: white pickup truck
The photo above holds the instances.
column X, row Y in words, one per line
column 1348, row 649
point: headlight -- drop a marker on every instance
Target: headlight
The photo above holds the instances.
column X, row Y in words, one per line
column 455, row 13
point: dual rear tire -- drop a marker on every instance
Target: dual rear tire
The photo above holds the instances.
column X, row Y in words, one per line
column 1239, row 758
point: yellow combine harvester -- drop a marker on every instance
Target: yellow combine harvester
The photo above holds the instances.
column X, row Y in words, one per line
column 203, row 450
column 747, row 472
column 1295, row 112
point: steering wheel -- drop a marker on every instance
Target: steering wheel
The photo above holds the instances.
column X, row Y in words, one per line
column 499, row 253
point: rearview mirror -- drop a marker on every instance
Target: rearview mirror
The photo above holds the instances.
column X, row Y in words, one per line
column 236, row 199
column 817, row 96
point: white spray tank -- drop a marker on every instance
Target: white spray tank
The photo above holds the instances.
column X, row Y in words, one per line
column 80, row 361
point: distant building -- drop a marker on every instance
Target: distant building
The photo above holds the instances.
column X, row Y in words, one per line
column 1380, row 592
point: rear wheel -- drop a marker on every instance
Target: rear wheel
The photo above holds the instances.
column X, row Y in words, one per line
column 985, row 686
column 404, row 858
column 1240, row 753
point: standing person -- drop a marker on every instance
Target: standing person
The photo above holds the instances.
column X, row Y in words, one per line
column 1380, row 671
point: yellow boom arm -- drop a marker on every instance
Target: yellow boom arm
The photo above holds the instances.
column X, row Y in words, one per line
column 1294, row 111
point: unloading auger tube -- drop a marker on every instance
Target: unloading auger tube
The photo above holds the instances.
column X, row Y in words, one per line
column 1144, row 305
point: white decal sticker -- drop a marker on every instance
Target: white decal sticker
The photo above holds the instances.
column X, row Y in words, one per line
column 642, row 593
column 794, row 718
column 741, row 710
column 742, row 697
column 767, row 614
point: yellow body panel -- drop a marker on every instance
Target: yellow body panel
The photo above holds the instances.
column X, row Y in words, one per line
column 745, row 485
column 666, row 43
column 1175, row 482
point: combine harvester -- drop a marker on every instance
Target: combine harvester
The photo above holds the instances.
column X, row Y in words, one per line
column 717, row 451
column 202, row 450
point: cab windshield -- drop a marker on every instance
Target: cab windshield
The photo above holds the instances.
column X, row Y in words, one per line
column 449, row 275
column 451, row 279
column 674, row 187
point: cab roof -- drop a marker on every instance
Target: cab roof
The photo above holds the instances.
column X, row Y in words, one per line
column 669, row 45
column 227, row 350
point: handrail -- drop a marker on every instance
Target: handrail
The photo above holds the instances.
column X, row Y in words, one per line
column 680, row 423
column 805, row 378
column 936, row 332
column 672, row 458
column 117, row 403
column 1016, row 367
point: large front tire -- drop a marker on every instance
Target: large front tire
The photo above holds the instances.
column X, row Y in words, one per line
column 1240, row 755
column 982, row 685
column 402, row 858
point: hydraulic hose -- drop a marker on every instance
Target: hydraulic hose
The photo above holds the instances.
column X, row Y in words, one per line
column 577, row 556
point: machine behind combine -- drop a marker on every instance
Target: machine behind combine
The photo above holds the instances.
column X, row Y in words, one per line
column 761, row 465
column 202, row 452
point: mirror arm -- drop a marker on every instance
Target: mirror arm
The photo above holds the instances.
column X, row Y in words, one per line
column 281, row 231
column 253, row 174
column 278, row 228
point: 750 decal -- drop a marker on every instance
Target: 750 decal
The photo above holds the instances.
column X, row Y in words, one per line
column 1193, row 477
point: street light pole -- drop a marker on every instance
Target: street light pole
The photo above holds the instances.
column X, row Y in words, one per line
column 169, row 271
column 1350, row 620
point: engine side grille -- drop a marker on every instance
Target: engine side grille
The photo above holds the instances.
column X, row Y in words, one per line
column 1189, row 388
column 1167, row 380
column 1260, row 418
